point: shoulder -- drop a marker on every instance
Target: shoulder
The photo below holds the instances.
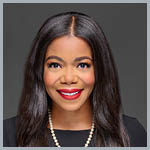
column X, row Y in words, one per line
column 10, row 121
column 136, row 132
column 9, row 132
column 10, row 124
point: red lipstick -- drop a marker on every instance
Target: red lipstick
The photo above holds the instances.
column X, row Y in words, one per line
column 70, row 94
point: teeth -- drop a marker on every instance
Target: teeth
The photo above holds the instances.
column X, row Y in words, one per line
column 70, row 94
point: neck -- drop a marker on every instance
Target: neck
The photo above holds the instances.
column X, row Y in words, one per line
column 80, row 119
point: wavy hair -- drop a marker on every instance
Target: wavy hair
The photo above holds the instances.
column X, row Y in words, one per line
column 105, row 99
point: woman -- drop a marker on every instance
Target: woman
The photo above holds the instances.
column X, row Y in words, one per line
column 71, row 93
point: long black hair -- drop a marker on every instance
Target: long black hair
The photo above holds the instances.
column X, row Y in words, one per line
column 105, row 98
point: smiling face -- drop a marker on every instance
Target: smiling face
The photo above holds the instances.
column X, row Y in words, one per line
column 69, row 73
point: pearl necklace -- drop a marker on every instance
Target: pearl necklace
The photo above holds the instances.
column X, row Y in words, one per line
column 54, row 136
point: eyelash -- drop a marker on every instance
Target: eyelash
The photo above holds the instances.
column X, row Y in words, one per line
column 53, row 65
column 81, row 65
column 85, row 64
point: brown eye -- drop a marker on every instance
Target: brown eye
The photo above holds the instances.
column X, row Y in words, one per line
column 83, row 65
column 54, row 65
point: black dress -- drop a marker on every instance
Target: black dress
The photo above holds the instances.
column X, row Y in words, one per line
column 70, row 138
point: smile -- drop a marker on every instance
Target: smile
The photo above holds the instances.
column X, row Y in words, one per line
column 70, row 94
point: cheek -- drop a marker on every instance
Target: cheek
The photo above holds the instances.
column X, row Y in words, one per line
column 49, row 79
column 89, row 79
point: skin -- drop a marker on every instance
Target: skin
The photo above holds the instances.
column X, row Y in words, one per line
column 69, row 74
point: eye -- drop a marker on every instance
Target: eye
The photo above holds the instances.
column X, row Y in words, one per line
column 83, row 65
column 54, row 65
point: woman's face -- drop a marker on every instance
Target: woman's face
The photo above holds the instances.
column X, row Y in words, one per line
column 69, row 72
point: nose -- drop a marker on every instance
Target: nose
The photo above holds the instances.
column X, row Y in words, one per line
column 69, row 76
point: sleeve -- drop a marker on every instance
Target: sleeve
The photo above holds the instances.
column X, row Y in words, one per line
column 5, row 137
column 136, row 132
column 9, row 132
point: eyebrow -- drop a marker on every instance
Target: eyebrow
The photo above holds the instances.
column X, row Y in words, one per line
column 82, row 58
column 76, row 59
column 54, row 57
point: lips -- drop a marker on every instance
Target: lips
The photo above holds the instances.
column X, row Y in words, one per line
column 70, row 94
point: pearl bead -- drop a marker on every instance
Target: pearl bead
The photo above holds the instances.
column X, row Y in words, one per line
column 57, row 144
column 52, row 131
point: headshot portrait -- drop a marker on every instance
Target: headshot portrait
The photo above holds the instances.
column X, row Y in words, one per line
column 75, row 75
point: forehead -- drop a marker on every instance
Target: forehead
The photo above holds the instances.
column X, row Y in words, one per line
column 69, row 46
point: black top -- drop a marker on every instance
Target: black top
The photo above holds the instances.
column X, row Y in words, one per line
column 70, row 138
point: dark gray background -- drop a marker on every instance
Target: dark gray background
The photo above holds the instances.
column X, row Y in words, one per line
column 125, row 26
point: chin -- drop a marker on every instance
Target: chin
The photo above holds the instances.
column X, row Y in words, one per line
column 71, row 107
